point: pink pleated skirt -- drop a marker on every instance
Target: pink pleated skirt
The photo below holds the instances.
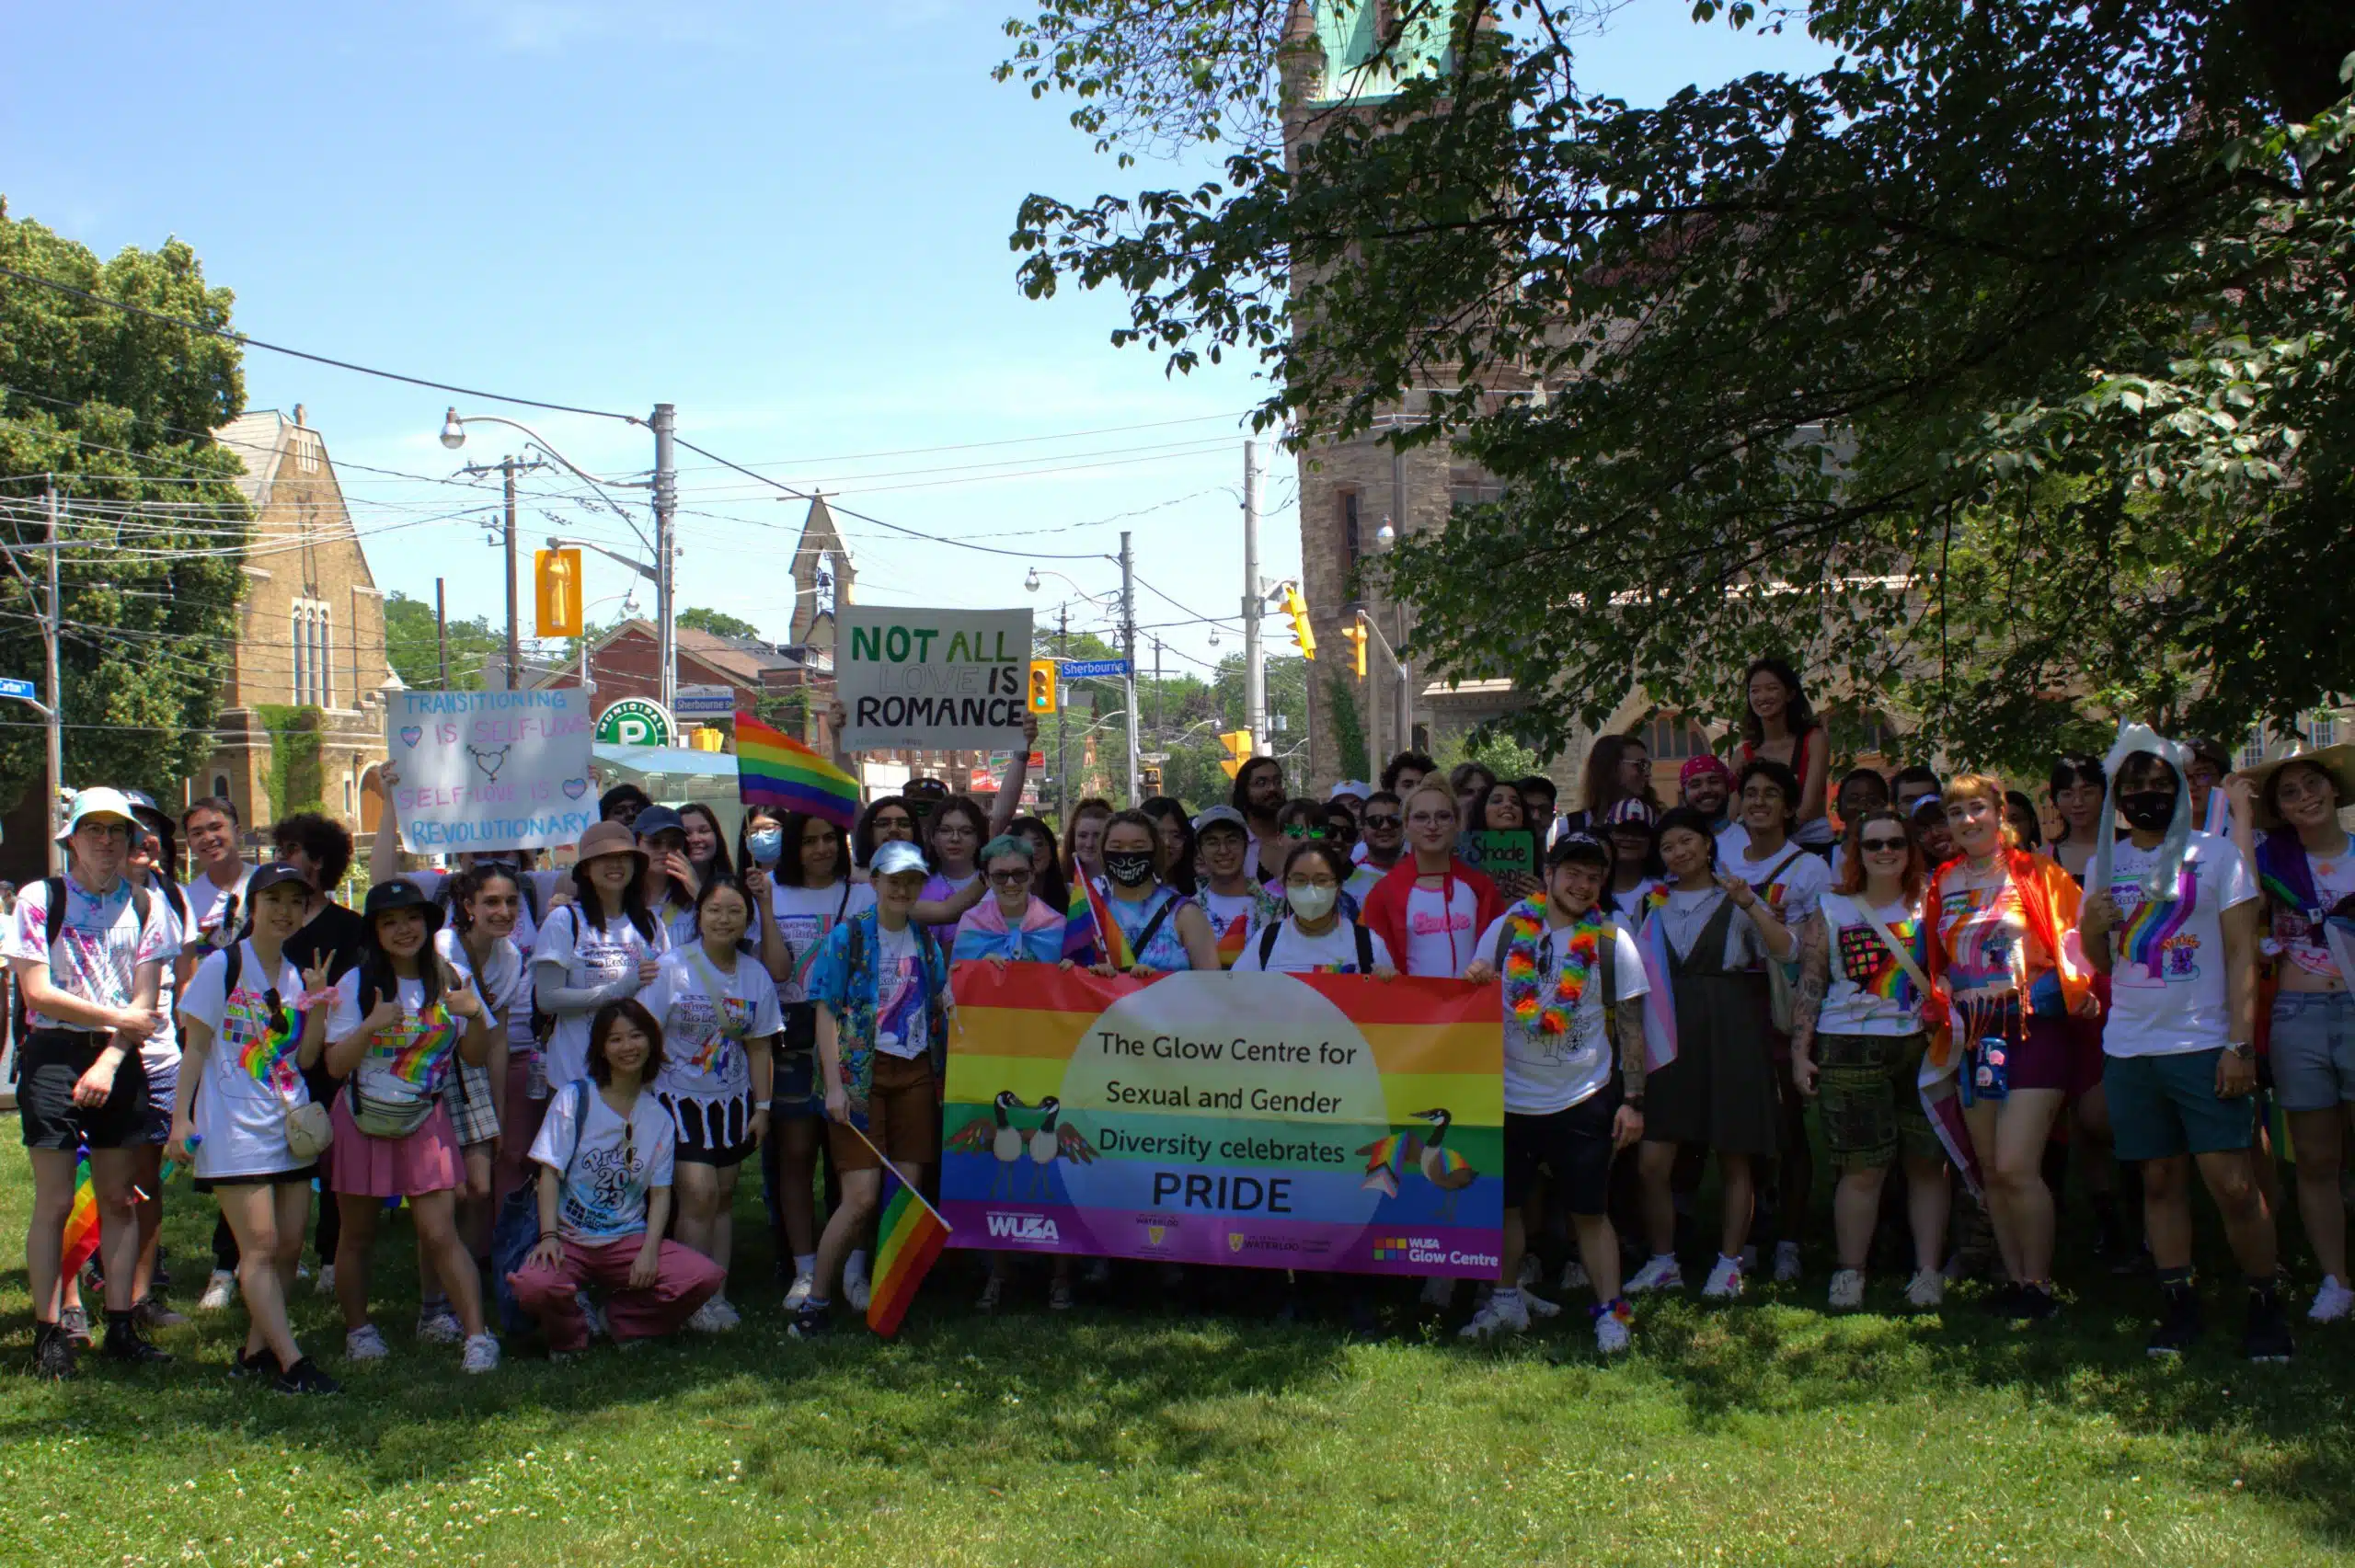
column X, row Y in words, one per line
column 427, row 1161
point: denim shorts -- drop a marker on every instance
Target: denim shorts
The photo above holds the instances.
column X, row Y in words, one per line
column 2313, row 1049
column 2161, row 1107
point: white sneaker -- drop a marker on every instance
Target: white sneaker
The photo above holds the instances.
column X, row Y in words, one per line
column 1574, row 1277
column 1505, row 1313
column 482, row 1354
column 728, row 1315
column 1787, row 1262
column 1437, row 1292
column 1539, row 1307
column 439, row 1325
column 707, row 1319
column 1661, row 1272
column 325, row 1284
column 220, row 1289
column 1610, row 1332
column 800, row 1292
column 1847, row 1289
column 1927, row 1289
column 1725, row 1279
column 2332, row 1302
column 596, row 1317
column 1532, row 1271
column 364, row 1344
column 856, row 1291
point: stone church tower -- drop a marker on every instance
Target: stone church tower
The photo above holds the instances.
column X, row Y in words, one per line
column 823, row 579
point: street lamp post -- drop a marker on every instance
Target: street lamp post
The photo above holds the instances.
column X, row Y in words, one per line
column 663, row 490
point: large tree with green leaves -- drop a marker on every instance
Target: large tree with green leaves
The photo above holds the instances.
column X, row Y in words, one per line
column 1999, row 371
column 113, row 411
column 413, row 645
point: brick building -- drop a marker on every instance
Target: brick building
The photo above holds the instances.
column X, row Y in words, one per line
column 302, row 704
column 626, row 662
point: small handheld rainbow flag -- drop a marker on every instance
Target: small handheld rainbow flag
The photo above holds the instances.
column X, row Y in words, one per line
column 81, row 1220
column 907, row 1239
column 1111, row 941
column 1079, row 921
column 777, row 770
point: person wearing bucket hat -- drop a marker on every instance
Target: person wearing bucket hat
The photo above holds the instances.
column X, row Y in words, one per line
column 601, row 948
column 395, row 1027
column 2305, row 871
column 245, row 1117
column 88, row 973
column 2170, row 915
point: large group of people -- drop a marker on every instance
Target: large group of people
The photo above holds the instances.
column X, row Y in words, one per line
column 561, row 1073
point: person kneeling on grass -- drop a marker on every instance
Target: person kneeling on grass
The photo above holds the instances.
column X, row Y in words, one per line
column 606, row 1158
column 881, row 986
column 1573, row 979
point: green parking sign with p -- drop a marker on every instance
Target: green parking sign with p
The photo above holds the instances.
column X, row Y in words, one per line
column 636, row 721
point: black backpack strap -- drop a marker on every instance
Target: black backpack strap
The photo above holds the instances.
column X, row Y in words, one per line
column 1268, row 934
column 55, row 914
column 1365, row 948
column 233, row 965
column 1144, row 938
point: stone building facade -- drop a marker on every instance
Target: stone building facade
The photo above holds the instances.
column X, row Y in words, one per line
column 302, row 715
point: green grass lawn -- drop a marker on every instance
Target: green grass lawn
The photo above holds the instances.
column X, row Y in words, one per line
column 1769, row 1432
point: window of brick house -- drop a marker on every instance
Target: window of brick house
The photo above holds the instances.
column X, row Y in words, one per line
column 1347, row 504
column 1671, row 738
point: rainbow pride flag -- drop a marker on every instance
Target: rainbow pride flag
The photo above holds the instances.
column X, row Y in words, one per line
column 81, row 1220
column 907, row 1240
column 1112, row 943
column 1079, row 921
column 777, row 770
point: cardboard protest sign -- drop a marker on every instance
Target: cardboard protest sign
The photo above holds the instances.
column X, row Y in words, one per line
column 1498, row 849
column 931, row 680
column 1273, row 1121
column 489, row 770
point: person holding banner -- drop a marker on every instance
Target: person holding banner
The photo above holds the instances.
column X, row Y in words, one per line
column 718, row 1012
column 607, row 1159
column 603, row 946
column 881, row 986
column 1084, row 841
column 1503, row 810
column 1858, row 1044
column 1315, row 936
column 1575, row 1070
column 1155, row 929
column 1714, row 1082
column 1431, row 907
column 1046, row 860
column 1233, row 901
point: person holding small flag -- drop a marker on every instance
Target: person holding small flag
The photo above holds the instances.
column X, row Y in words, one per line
column 1144, row 926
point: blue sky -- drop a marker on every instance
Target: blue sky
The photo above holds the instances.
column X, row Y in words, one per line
column 788, row 220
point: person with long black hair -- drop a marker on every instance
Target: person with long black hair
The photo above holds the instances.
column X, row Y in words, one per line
column 603, row 946
column 707, row 843
column 1047, row 879
column 1778, row 725
column 1176, row 830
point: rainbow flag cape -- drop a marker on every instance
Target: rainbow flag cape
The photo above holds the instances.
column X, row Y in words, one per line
column 907, row 1240
column 1659, row 1001
column 81, row 1220
column 777, row 770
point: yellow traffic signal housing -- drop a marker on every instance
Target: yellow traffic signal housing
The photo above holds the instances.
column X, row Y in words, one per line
column 1303, row 635
column 1355, row 634
column 555, row 593
column 1042, row 685
column 1238, row 751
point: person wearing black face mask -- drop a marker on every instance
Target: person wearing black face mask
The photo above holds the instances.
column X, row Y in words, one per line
column 2174, row 928
column 1161, row 928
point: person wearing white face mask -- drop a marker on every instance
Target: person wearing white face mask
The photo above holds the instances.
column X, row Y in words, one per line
column 1314, row 937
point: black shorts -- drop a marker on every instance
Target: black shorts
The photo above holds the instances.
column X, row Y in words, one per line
column 1571, row 1149
column 710, row 1132
column 49, row 1062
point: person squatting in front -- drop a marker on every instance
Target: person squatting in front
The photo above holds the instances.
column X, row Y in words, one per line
column 1574, row 1075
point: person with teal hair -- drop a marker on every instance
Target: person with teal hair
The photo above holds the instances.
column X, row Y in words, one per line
column 1012, row 924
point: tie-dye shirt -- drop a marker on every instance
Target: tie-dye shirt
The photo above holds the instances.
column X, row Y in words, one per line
column 408, row 1061
column 1870, row 991
column 2168, row 993
column 101, row 948
column 250, row 1077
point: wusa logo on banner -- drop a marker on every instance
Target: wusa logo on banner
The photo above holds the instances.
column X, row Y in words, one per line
column 1024, row 1228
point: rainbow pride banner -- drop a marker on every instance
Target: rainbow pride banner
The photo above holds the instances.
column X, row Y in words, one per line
column 1330, row 1122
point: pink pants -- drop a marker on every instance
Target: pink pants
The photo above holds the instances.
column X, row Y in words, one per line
column 514, row 1168
column 685, row 1279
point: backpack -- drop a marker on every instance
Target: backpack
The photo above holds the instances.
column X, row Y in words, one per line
column 516, row 1230
column 55, row 928
column 935, row 1016
column 1606, row 965
column 1275, row 928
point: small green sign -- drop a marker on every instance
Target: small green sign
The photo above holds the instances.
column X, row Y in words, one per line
column 637, row 721
column 1498, row 849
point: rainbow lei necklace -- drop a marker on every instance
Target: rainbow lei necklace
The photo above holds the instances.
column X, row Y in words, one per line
column 1525, row 921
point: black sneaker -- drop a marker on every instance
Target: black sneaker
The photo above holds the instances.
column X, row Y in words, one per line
column 262, row 1363
column 54, row 1354
column 2034, row 1304
column 2266, row 1335
column 2179, row 1322
column 814, row 1320
column 74, row 1323
column 126, row 1343
column 2003, row 1301
column 304, row 1377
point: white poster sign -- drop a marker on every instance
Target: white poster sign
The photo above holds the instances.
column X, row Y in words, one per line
column 489, row 770
column 933, row 679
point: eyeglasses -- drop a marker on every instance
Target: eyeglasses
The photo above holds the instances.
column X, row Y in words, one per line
column 1870, row 846
column 1431, row 819
column 1012, row 878
column 1370, row 821
column 1312, row 882
column 1297, row 831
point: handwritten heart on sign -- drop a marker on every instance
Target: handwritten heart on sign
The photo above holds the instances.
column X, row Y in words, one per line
column 575, row 789
column 411, row 735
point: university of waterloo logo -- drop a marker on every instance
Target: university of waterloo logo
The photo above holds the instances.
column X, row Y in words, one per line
column 1235, row 1241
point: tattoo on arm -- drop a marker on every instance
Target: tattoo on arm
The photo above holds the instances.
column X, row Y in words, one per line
column 1631, row 1045
column 1815, row 970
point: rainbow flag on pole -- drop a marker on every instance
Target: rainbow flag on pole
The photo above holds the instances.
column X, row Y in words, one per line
column 1112, row 943
column 81, row 1220
column 777, row 770
column 907, row 1240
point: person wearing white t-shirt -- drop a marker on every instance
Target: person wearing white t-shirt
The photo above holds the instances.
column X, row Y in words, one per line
column 601, row 948
column 217, row 893
column 1857, row 1043
column 1430, row 909
column 1237, row 906
column 718, row 1012
column 2176, row 932
column 1315, row 938
column 1573, row 1074
column 241, row 1088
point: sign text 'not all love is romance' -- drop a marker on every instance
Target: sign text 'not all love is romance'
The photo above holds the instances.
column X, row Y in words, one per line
column 489, row 770
column 933, row 679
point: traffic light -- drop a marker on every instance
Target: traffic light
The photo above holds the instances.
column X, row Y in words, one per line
column 556, row 584
column 1238, row 751
column 1042, row 685
column 1354, row 633
column 1149, row 778
column 1303, row 635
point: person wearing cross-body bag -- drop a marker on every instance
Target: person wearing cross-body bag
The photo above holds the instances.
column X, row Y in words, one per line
column 1857, row 1048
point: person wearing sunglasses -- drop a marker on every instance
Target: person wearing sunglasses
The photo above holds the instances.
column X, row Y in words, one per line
column 1381, row 839
column 238, row 1106
column 1856, row 1048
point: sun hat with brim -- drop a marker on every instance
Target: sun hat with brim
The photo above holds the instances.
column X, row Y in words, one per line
column 609, row 838
column 896, row 859
column 99, row 802
column 2337, row 760
column 277, row 874
column 399, row 893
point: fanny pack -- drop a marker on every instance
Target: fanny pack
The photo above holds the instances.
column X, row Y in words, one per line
column 385, row 1119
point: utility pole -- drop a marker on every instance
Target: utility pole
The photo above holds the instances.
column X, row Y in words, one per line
column 1160, row 712
column 441, row 629
column 54, row 718
column 1129, row 650
column 508, row 469
column 1398, row 648
column 1255, row 667
column 666, row 504
column 1062, row 728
